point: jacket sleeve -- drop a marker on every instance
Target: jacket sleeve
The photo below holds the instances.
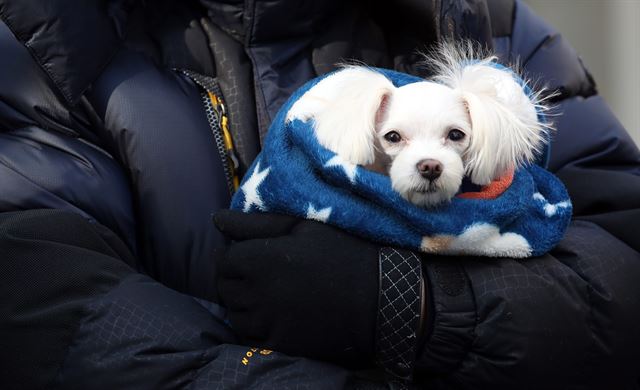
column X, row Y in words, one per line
column 76, row 315
column 567, row 319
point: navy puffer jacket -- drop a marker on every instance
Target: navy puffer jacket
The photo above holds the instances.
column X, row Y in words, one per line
column 106, row 114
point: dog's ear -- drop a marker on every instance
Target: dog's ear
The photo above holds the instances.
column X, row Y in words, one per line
column 347, row 107
column 506, row 130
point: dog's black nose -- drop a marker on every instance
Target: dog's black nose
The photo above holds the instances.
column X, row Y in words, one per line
column 429, row 168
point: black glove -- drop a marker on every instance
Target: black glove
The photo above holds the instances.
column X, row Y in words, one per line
column 301, row 287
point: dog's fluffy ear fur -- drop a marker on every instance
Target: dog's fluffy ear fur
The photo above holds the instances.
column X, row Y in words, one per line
column 346, row 107
column 506, row 130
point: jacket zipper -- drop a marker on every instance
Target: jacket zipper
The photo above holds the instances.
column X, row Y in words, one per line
column 218, row 120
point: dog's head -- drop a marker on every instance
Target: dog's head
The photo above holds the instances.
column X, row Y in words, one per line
column 425, row 130
column 473, row 119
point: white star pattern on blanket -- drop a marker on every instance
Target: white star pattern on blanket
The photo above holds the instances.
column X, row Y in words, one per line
column 349, row 168
column 321, row 215
column 550, row 209
column 480, row 238
column 250, row 189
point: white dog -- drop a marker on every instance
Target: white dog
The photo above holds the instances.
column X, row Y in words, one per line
column 471, row 119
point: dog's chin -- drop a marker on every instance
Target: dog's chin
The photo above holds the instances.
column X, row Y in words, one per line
column 425, row 194
column 428, row 198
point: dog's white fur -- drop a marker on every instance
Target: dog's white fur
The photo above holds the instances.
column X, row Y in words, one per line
column 355, row 108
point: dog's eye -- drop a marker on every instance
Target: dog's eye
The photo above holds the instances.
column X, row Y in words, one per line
column 393, row 137
column 455, row 135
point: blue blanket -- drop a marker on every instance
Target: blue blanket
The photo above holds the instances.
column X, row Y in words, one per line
column 295, row 175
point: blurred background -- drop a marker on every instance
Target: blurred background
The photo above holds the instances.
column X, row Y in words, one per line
column 606, row 34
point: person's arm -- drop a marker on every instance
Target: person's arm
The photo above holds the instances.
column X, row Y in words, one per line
column 75, row 315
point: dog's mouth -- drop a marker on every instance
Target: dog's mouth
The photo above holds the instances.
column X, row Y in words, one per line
column 428, row 188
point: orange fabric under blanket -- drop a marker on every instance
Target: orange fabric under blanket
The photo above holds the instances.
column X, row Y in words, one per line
column 491, row 190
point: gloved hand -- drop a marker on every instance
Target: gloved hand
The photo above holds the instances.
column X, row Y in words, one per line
column 301, row 287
